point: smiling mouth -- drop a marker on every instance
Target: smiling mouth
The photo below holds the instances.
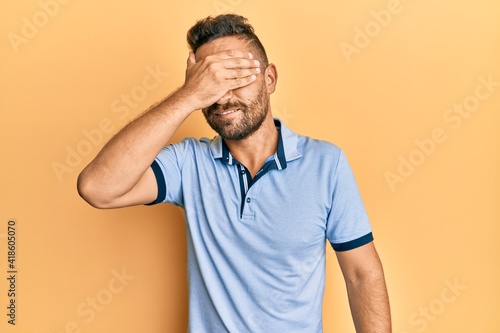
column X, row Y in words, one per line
column 224, row 113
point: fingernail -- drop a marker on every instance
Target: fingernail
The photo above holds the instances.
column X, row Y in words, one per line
column 258, row 69
column 257, row 63
column 250, row 55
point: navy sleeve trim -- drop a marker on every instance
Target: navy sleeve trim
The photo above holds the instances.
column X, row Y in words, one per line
column 160, row 180
column 354, row 243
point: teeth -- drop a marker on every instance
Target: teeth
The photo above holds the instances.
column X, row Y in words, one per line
column 227, row 112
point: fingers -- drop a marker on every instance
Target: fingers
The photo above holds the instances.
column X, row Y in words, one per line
column 209, row 78
column 235, row 67
column 232, row 59
column 227, row 54
column 241, row 82
column 241, row 63
column 239, row 73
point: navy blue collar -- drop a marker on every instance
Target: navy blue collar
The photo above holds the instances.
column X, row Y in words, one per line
column 286, row 150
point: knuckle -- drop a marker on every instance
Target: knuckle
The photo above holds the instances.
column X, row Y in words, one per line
column 211, row 65
column 234, row 63
column 238, row 82
column 209, row 57
column 218, row 75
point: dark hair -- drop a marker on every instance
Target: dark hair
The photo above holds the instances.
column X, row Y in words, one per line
column 211, row 28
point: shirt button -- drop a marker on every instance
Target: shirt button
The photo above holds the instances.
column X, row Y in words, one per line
column 249, row 200
column 242, row 172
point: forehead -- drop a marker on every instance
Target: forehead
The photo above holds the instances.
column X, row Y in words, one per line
column 222, row 44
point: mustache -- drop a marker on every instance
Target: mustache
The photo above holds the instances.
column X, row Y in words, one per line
column 219, row 108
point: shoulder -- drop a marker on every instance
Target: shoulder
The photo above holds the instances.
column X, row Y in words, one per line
column 308, row 148
column 189, row 148
column 191, row 143
column 318, row 148
column 320, row 145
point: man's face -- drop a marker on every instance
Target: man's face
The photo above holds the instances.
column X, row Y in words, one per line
column 242, row 111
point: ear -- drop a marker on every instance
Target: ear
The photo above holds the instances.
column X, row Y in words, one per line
column 271, row 77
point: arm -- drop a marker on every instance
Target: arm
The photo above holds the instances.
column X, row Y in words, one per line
column 366, row 289
column 120, row 175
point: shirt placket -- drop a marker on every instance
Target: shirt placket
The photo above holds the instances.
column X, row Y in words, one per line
column 245, row 183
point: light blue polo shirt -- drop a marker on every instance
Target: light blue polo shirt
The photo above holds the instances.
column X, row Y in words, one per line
column 256, row 247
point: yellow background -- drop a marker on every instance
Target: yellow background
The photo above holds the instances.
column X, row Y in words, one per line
column 349, row 73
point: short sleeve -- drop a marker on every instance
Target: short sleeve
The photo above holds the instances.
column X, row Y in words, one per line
column 167, row 168
column 348, row 225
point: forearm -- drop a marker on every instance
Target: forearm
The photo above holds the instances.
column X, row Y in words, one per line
column 119, row 176
column 369, row 303
column 125, row 158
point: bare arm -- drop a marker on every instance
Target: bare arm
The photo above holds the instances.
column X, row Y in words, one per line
column 366, row 289
column 120, row 175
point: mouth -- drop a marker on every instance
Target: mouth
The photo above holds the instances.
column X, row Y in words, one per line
column 226, row 112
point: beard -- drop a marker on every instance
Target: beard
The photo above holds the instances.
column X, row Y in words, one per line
column 251, row 118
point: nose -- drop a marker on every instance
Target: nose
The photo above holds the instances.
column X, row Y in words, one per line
column 226, row 98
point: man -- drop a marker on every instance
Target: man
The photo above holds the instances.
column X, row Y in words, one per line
column 260, row 200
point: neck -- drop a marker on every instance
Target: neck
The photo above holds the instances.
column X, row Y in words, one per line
column 254, row 150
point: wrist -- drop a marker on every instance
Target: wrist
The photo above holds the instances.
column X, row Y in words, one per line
column 177, row 102
column 185, row 100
